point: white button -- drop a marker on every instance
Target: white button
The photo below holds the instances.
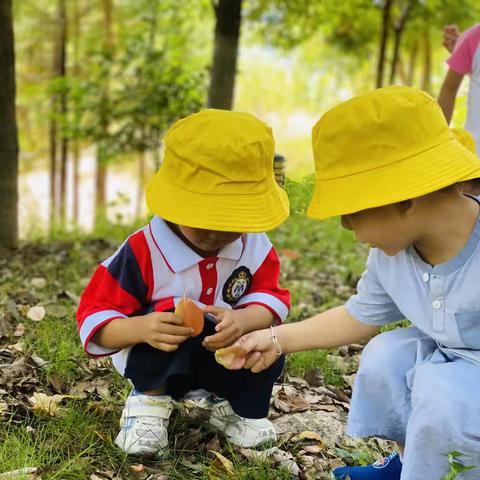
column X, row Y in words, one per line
column 209, row 266
column 437, row 304
column 209, row 291
column 426, row 277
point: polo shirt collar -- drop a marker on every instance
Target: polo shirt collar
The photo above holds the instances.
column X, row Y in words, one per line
column 178, row 254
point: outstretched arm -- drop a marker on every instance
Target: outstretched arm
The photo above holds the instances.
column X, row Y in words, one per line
column 332, row 328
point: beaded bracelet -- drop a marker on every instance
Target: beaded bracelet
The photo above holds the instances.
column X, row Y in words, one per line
column 276, row 342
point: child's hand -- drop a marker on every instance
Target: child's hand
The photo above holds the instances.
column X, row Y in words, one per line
column 164, row 330
column 450, row 37
column 229, row 328
column 261, row 351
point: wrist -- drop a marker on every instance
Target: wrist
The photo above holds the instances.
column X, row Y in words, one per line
column 278, row 338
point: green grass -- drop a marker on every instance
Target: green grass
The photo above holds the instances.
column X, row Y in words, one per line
column 79, row 441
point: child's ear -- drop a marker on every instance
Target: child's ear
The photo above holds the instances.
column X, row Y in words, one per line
column 407, row 207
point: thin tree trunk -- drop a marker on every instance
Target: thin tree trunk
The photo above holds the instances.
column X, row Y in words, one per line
column 383, row 42
column 8, row 131
column 76, row 116
column 76, row 180
column 53, row 161
column 62, row 10
column 101, row 173
column 412, row 63
column 427, row 60
column 398, row 29
column 227, row 35
column 141, row 183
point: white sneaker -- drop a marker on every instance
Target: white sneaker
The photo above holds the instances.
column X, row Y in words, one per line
column 244, row 432
column 144, row 425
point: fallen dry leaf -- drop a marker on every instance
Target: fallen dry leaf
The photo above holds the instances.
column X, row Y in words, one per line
column 47, row 403
column 23, row 473
column 222, row 463
column 19, row 330
column 38, row 282
column 308, row 435
column 137, row 467
column 36, row 313
column 290, row 402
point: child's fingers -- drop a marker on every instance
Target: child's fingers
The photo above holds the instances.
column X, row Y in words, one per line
column 167, row 328
column 266, row 360
column 166, row 347
column 171, row 339
column 223, row 324
column 252, row 359
column 213, row 310
column 259, row 366
column 218, row 338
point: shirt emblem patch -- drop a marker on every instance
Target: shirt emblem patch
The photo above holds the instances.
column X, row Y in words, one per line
column 237, row 285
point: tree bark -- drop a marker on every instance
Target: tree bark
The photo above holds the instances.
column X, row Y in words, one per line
column 412, row 63
column 76, row 115
column 227, row 35
column 8, row 131
column 427, row 59
column 101, row 172
column 398, row 30
column 62, row 70
column 383, row 42
column 141, row 183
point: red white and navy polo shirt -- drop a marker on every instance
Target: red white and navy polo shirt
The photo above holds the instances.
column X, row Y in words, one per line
column 155, row 267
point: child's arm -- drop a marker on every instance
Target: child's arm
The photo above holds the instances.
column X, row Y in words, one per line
column 162, row 330
column 120, row 288
column 460, row 64
column 448, row 93
column 332, row 328
column 232, row 324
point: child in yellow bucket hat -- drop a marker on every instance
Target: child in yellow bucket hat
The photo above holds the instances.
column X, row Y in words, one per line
column 388, row 164
column 211, row 197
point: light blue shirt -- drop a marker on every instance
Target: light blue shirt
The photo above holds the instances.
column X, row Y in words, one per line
column 443, row 301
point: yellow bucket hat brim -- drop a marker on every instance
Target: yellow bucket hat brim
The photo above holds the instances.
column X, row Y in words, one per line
column 423, row 173
column 246, row 213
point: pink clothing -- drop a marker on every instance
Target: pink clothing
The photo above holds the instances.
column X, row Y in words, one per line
column 464, row 60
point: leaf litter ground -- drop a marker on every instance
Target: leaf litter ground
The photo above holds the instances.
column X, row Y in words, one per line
column 60, row 409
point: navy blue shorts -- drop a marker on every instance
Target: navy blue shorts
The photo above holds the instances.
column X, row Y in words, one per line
column 192, row 366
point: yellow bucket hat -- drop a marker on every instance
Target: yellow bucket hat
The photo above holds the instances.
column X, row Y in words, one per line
column 465, row 138
column 383, row 147
column 217, row 174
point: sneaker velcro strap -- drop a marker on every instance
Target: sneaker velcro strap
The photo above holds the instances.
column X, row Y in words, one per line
column 147, row 406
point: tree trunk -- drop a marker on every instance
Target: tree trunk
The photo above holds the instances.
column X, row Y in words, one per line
column 101, row 172
column 399, row 28
column 427, row 59
column 412, row 63
column 8, row 131
column 227, row 34
column 53, row 161
column 62, row 70
column 383, row 42
column 141, row 184
column 76, row 115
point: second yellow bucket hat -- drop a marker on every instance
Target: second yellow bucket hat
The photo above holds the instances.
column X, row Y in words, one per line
column 218, row 174
column 465, row 138
column 383, row 147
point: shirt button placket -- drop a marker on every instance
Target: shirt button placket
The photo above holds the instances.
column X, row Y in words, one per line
column 437, row 291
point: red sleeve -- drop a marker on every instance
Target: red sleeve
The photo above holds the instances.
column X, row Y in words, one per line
column 120, row 287
column 265, row 289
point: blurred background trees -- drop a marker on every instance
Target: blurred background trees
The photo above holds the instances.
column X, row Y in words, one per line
column 100, row 81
